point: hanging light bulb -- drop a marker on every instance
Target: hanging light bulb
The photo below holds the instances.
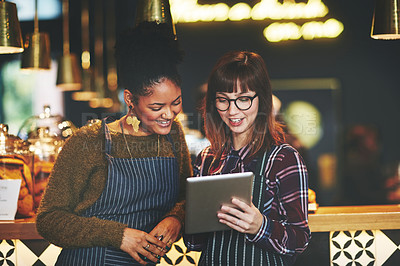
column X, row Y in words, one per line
column 155, row 11
column 10, row 30
column 68, row 74
column 36, row 55
column 386, row 20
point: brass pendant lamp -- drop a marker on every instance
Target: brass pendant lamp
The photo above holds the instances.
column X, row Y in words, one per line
column 10, row 30
column 102, row 100
column 36, row 55
column 158, row 11
column 68, row 74
column 87, row 91
column 386, row 20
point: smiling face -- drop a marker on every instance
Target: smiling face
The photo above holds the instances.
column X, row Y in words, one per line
column 240, row 122
column 158, row 110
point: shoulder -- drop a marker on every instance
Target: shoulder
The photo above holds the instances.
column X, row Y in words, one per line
column 286, row 154
column 88, row 136
column 176, row 128
column 177, row 133
column 285, row 158
column 207, row 154
column 90, row 130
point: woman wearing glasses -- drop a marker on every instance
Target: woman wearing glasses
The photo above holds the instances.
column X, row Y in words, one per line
column 244, row 136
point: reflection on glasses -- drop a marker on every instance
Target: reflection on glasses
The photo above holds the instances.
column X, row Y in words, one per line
column 243, row 103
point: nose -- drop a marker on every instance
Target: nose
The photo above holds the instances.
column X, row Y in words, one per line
column 233, row 108
column 168, row 114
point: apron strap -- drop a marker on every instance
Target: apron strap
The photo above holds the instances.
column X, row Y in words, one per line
column 169, row 138
column 259, row 181
column 107, row 136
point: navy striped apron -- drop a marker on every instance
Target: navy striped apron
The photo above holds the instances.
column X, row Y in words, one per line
column 139, row 192
column 230, row 247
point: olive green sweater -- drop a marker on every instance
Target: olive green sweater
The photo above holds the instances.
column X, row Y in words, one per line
column 79, row 177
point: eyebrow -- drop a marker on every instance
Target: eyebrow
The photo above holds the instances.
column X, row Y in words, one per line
column 162, row 104
column 224, row 93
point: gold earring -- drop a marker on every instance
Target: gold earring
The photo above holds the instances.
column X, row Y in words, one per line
column 134, row 122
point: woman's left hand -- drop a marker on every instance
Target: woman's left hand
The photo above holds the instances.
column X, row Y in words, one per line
column 245, row 218
column 168, row 230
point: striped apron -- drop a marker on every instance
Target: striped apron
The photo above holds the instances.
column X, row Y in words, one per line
column 230, row 247
column 138, row 192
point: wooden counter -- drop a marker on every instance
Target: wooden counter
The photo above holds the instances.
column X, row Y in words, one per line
column 19, row 229
column 346, row 218
column 325, row 219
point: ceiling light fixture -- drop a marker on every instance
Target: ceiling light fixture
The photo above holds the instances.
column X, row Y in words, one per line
column 10, row 30
column 68, row 74
column 385, row 21
column 36, row 55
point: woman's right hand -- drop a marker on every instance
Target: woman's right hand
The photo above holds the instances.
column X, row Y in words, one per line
column 135, row 242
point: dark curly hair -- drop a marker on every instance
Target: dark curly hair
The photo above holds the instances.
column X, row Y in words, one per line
column 146, row 55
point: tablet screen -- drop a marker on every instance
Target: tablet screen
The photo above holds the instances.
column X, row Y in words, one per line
column 206, row 194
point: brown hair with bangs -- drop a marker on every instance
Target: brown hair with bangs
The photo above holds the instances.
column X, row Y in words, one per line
column 246, row 71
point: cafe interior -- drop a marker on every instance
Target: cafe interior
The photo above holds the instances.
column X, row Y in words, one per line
column 333, row 67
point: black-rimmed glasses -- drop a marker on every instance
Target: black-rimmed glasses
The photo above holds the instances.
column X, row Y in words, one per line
column 243, row 103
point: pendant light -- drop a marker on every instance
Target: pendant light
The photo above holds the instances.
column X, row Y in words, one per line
column 102, row 100
column 10, row 30
column 155, row 11
column 87, row 91
column 68, row 74
column 386, row 20
column 36, row 55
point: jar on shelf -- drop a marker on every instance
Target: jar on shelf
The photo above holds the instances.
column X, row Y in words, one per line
column 16, row 162
column 46, row 134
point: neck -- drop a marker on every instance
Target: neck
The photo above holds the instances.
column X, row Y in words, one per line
column 239, row 141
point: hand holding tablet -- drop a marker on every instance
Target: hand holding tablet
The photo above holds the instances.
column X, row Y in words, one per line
column 206, row 194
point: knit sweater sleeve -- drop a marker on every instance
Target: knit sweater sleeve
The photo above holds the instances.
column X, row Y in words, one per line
column 74, row 180
column 185, row 169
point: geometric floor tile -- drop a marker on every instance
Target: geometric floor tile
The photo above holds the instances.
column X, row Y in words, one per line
column 50, row 255
column 7, row 252
column 394, row 235
column 178, row 255
column 37, row 246
column 25, row 256
column 393, row 260
column 40, row 253
column 352, row 248
column 385, row 247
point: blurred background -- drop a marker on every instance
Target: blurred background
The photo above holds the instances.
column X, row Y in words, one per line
column 336, row 88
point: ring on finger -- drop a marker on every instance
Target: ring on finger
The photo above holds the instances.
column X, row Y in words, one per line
column 237, row 222
column 147, row 247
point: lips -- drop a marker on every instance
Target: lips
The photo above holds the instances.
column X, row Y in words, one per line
column 235, row 121
column 164, row 123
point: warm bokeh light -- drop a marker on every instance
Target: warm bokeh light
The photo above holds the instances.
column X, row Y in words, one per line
column 304, row 121
column 186, row 11
column 273, row 9
column 189, row 11
column 277, row 32
column 85, row 57
column 239, row 12
column 101, row 103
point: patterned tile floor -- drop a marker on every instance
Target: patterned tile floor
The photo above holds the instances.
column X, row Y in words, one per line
column 347, row 248
column 39, row 252
column 369, row 248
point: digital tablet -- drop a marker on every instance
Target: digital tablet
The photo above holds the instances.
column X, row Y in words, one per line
column 206, row 194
